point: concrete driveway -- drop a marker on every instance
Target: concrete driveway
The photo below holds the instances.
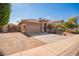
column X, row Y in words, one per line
column 47, row 38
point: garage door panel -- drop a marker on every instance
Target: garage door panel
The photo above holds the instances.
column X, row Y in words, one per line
column 33, row 28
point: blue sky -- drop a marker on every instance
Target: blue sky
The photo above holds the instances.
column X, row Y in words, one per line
column 53, row 11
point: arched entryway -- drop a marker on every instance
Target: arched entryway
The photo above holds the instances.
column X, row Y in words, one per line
column 45, row 27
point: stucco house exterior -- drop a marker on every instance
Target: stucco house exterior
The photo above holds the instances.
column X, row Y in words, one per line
column 34, row 25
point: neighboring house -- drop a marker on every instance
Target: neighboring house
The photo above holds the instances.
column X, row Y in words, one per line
column 5, row 29
column 10, row 28
column 57, row 22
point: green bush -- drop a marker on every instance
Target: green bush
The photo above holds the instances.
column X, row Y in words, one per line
column 76, row 32
column 50, row 27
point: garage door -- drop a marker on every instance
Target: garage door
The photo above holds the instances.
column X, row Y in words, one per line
column 33, row 28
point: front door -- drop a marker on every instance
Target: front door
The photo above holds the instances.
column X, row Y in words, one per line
column 45, row 27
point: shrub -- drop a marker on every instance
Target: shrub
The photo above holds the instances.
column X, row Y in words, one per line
column 50, row 27
column 76, row 32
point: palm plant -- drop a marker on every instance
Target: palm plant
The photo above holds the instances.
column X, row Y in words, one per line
column 73, row 20
column 71, row 24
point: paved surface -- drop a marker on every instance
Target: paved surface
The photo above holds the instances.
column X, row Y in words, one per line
column 62, row 47
column 50, row 38
column 37, row 33
column 11, row 43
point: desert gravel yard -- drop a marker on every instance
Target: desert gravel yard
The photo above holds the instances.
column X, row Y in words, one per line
column 11, row 43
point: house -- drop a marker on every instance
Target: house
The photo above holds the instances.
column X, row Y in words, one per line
column 33, row 25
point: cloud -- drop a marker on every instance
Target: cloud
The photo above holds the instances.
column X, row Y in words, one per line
column 48, row 17
column 14, row 23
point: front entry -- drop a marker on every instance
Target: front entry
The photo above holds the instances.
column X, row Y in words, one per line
column 45, row 27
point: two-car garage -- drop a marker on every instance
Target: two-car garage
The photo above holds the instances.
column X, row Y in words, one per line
column 33, row 27
column 30, row 26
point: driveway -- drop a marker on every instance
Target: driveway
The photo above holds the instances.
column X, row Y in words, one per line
column 11, row 43
column 47, row 38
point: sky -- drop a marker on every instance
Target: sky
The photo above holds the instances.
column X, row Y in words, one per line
column 51, row 11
